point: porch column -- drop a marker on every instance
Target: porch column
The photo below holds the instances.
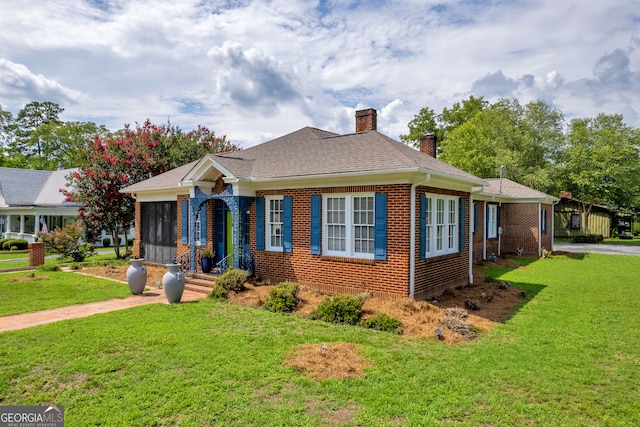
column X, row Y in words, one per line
column 21, row 224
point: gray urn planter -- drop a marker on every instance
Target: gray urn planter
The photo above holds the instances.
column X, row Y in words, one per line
column 173, row 283
column 137, row 276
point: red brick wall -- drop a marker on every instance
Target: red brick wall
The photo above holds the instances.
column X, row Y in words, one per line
column 388, row 278
column 547, row 239
column 520, row 228
column 36, row 254
column 137, row 224
column 478, row 236
column 435, row 275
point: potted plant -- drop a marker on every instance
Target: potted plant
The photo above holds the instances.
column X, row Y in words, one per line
column 206, row 260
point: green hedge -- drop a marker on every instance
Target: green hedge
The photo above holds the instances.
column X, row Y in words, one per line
column 14, row 244
column 588, row 238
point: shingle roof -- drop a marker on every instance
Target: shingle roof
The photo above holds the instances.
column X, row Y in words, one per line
column 512, row 189
column 168, row 179
column 311, row 151
column 314, row 152
column 26, row 187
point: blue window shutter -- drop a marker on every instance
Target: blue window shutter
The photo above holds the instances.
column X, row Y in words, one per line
column 462, row 227
column 476, row 220
column 260, row 223
column 203, row 224
column 185, row 222
column 486, row 219
column 544, row 221
column 316, row 201
column 423, row 225
column 287, row 219
column 380, row 228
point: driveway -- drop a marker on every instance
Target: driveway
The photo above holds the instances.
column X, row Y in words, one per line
column 587, row 248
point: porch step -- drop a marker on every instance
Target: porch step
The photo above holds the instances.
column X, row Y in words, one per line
column 200, row 282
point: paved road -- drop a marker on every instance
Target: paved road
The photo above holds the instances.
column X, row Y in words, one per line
column 587, row 248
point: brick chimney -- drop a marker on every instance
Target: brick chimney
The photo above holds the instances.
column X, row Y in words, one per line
column 565, row 195
column 366, row 120
column 428, row 144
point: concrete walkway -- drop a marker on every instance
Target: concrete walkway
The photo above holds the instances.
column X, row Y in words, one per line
column 588, row 248
column 28, row 320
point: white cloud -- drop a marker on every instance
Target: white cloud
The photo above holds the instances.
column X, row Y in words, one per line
column 255, row 70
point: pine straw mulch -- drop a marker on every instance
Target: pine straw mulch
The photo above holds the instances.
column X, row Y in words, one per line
column 419, row 318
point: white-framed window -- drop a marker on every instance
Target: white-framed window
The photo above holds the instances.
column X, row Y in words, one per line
column 441, row 225
column 349, row 225
column 275, row 223
column 198, row 230
column 492, row 221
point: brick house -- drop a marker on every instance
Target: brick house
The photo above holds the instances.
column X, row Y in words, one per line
column 510, row 218
column 342, row 213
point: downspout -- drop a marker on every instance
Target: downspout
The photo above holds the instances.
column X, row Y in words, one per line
column 472, row 221
column 553, row 214
column 412, row 236
column 499, row 229
column 539, row 229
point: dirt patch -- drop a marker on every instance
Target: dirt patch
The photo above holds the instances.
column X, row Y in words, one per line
column 29, row 277
column 119, row 272
column 327, row 360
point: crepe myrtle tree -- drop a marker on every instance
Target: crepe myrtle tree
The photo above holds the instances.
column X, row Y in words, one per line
column 125, row 158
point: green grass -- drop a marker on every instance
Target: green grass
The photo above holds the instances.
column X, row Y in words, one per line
column 568, row 357
column 617, row 241
column 13, row 255
column 32, row 291
column 55, row 261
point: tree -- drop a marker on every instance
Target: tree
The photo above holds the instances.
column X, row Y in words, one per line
column 7, row 131
column 427, row 122
column 601, row 163
column 524, row 139
column 125, row 158
column 28, row 142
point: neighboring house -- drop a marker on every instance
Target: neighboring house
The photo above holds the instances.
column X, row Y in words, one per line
column 31, row 202
column 510, row 218
column 342, row 213
column 569, row 218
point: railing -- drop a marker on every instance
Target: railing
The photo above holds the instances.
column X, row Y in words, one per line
column 223, row 264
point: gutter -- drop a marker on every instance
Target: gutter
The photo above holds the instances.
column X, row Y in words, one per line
column 412, row 237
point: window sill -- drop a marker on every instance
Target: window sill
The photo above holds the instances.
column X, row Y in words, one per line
column 333, row 258
column 442, row 257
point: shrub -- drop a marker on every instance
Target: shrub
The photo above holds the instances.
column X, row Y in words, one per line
column 588, row 238
column 50, row 267
column 231, row 280
column 219, row 292
column 2, row 242
column 129, row 242
column 383, row 322
column 67, row 242
column 106, row 242
column 283, row 298
column 340, row 309
column 15, row 244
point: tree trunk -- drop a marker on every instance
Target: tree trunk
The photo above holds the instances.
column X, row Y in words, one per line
column 116, row 242
column 586, row 210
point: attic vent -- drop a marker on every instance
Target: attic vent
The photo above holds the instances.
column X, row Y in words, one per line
column 366, row 120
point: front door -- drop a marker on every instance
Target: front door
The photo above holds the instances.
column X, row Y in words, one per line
column 220, row 226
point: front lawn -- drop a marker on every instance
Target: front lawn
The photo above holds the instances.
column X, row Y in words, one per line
column 32, row 291
column 569, row 356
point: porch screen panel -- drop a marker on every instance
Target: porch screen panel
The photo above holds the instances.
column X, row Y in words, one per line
column 159, row 231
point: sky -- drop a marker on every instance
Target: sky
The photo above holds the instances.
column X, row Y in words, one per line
column 257, row 70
